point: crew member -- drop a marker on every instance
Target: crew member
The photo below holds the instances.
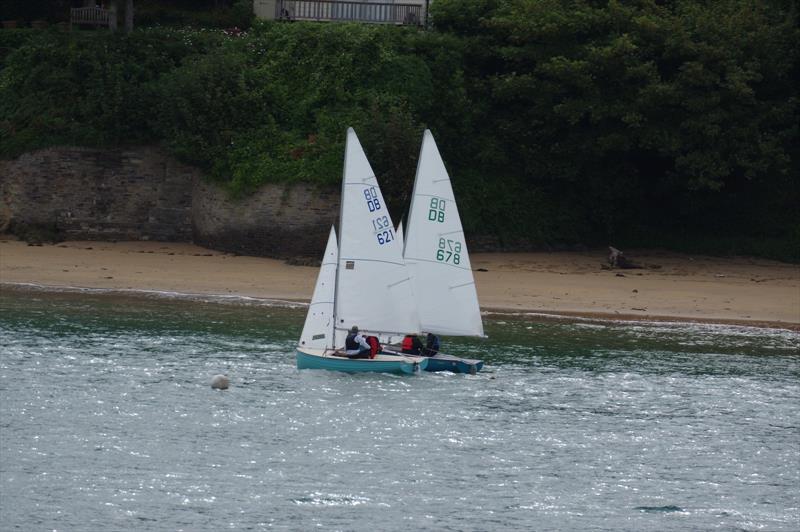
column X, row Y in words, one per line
column 411, row 345
column 431, row 345
column 355, row 345
column 374, row 346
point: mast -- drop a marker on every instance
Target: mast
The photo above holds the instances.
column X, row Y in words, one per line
column 339, row 240
column 407, row 231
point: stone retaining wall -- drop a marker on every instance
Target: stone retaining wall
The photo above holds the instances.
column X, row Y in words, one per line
column 143, row 194
column 277, row 221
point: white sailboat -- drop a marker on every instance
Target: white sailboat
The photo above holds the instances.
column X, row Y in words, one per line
column 436, row 255
column 363, row 280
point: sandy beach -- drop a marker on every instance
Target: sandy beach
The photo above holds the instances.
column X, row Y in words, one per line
column 671, row 286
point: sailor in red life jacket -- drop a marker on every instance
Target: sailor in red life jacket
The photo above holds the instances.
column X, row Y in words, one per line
column 355, row 345
column 411, row 345
column 374, row 346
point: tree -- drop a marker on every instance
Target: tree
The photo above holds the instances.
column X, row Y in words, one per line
column 128, row 16
column 642, row 118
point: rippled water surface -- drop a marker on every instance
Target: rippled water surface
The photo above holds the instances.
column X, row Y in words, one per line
column 108, row 422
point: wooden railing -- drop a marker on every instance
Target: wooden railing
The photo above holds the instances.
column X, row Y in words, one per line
column 95, row 16
column 373, row 12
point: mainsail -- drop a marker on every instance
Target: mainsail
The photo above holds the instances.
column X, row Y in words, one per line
column 373, row 288
column 436, row 252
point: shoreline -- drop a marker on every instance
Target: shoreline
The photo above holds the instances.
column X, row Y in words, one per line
column 536, row 315
column 565, row 285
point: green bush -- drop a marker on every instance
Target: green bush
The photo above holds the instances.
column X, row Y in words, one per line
column 11, row 39
column 562, row 122
column 93, row 88
column 273, row 105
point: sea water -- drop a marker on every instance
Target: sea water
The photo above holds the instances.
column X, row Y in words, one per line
column 108, row 422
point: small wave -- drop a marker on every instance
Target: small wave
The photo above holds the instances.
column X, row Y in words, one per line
column 330, row 499
column 664, row 323
column 659, row 509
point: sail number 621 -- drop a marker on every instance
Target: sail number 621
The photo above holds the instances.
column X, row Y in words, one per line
column 383, row 229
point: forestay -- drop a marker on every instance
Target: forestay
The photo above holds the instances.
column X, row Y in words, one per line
column 373, row 288
column 436, row 252
column 318, row 329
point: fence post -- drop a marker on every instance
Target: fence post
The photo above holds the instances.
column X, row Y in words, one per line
column 112, row 17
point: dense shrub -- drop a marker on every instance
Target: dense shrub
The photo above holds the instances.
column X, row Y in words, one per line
column 650, row 121
column 273, row 105
column 563, row 122
column 11, row 39
column 92, row 88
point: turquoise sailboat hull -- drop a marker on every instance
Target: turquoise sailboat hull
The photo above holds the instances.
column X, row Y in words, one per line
column 441, row 362
column 317, row 359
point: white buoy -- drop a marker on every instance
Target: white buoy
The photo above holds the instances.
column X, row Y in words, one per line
column 220, row 382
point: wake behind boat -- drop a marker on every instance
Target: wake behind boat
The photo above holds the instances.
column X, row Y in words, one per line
column 363, row 281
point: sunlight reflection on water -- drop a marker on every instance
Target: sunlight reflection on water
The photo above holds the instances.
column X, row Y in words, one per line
column 107, row 421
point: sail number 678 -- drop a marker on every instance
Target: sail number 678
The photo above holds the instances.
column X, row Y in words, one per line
column 449, row 251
